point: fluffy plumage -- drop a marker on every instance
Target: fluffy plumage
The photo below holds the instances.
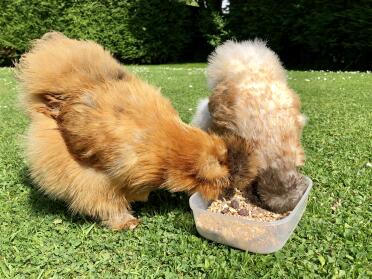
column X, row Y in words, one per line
column 101, row 138
column 251, row 98
column 202, row 117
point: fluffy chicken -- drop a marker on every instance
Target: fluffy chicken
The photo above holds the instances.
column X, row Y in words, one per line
column 251, row 98
column 101, row 138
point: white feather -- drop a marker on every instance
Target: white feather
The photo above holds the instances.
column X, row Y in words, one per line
column 202, row 117
column 251, row 57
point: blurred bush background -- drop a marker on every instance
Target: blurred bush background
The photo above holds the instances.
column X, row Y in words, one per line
column 306, row 34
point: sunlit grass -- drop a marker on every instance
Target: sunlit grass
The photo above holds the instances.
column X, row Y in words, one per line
column 39, row 237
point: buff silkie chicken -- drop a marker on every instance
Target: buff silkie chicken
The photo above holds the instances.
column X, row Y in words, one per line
column 101, row 138
column 251, row 98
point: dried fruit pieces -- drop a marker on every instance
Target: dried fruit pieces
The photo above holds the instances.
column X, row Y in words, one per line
column 239, row 205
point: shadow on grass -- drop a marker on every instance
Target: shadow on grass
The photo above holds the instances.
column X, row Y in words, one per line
column 42, row 204
column 160, row 203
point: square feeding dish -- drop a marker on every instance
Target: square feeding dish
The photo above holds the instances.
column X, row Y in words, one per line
column 254, row 236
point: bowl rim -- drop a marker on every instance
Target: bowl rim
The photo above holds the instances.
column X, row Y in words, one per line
column 261, row 223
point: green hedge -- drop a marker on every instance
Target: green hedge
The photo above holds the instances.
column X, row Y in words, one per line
column 316, row 34
column 141, row 31
column 309, row 34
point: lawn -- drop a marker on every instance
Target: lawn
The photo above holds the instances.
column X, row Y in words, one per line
column 39, row 238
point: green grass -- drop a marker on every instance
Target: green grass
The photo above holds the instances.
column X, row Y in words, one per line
column 39, row 238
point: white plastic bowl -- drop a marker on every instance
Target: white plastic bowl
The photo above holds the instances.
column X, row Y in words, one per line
column 254, row 236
